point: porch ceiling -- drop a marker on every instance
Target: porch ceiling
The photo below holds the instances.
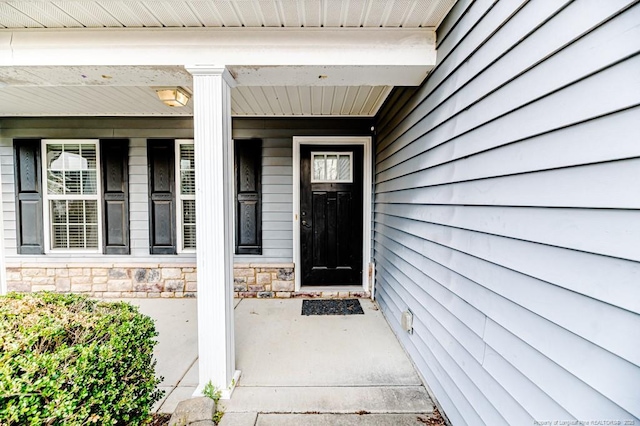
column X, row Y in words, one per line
column 289, row 57
column 254, row 101
column 222, row 13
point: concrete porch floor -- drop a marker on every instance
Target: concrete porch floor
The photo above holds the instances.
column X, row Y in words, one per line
column 296, row 370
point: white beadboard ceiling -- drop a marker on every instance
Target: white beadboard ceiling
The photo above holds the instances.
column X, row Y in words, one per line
column 101, row 91
column 222, row 13
column 305, row 100
column 271, row 101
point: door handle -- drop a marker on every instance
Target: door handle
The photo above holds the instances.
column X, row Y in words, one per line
column 305, row 224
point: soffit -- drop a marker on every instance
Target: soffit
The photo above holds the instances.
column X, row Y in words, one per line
column 222, row 13
column 246, row 101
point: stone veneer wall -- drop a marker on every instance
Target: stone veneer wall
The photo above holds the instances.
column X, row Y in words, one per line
column 277, row 280
column 175, row 280
column 262, row 280
column 172, row 280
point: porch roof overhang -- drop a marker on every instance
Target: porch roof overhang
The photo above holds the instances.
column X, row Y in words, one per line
column 321, row 71
column 302, row 58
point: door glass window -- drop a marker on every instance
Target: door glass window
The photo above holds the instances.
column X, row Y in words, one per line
column 329, row 167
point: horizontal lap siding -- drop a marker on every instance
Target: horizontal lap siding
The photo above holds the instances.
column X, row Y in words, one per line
column 8, row 195
column 136, row 130
column 277, row 174
column 138, row 197
column 506, row 213
column 277, row 169
column 277, row 179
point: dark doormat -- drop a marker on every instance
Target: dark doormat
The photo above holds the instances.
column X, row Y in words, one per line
column 332, row 307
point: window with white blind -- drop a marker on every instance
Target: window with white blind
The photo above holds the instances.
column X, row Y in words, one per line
column 186, row 195
column 72, row 207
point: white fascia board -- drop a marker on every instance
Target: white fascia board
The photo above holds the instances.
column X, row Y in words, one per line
column 330, row 75
column 226, row 46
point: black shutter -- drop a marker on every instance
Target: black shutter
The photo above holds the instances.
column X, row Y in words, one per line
column 248, row 196
column 29, row 226
column 114, row 156
column 162, row 215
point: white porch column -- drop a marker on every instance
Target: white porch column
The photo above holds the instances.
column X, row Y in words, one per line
column 3, row 270
column 214, row 221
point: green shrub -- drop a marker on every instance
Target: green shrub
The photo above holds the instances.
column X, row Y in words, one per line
column 69, row 360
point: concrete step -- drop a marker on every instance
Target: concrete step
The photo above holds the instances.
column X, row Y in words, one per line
column 335, row 400
column 255, row 419
column 238, row 419
column 342, row 419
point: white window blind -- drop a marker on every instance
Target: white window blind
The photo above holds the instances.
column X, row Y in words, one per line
column 186, row 194
column 71, row 196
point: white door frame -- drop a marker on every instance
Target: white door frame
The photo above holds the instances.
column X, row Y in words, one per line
column 367, row 182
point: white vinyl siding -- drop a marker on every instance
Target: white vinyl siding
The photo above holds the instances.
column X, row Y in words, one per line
column 507, row 213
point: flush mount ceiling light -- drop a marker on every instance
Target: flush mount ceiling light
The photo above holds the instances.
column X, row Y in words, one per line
column 173, row 96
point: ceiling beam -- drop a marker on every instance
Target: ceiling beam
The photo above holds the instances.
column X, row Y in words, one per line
column 173, row 75
column 256, row 56
column 228, row 46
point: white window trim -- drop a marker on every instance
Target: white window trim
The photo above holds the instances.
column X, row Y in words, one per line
column 367, row 211
column 180, row 198
column 46, row 197
column 337, row 154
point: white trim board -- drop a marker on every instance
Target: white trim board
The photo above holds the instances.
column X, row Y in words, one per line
column 367, row 182
column 290, row 47
column 47, row 226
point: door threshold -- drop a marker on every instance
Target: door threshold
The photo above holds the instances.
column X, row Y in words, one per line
column 338, row 287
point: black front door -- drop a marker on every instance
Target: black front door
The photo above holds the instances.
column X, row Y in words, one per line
column 331, row 214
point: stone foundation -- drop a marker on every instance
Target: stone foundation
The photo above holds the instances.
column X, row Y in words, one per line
column 260, row 280
column 167, row 280
column 268, row 281
column 106, row 280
